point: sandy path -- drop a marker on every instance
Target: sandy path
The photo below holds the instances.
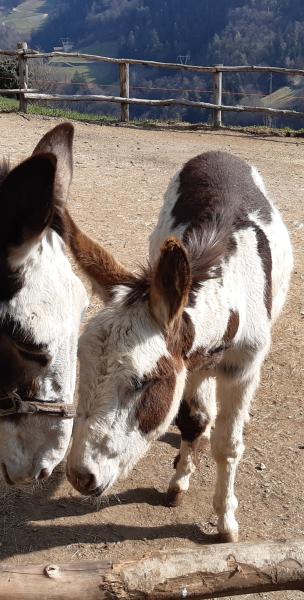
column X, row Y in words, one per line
column 120, row 177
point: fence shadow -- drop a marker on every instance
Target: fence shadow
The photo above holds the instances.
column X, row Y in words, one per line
column 46, row 538
column 23, row 514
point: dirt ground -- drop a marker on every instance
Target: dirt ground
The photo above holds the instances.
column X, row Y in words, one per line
column 119, row 179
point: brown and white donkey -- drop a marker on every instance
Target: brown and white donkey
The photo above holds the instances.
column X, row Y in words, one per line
column 193, row 328
column 41, row 304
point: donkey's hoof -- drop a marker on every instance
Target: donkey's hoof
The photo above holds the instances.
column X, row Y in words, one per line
column 174, row 497
column 229, row 536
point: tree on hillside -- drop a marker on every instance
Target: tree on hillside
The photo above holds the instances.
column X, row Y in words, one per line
column 8, row 73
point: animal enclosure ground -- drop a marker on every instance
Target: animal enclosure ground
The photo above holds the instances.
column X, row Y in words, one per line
column 120, row 176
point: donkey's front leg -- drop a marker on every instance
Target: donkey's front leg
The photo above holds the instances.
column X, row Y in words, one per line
column 234, row 397
column 195, row 418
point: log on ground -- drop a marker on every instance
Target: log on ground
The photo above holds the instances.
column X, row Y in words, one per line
column 193, row 573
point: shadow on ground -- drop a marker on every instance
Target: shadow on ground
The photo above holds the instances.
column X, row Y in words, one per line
column 24, row 513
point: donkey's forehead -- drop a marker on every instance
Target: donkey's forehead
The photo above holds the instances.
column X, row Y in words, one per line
column 51, row 299
column 125, row 336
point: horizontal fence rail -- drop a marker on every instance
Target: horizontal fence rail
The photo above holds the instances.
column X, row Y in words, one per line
column 23, row 54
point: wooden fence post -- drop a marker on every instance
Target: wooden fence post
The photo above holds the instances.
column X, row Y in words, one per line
column 23, row 75
column 217, row 96
column 124, row 76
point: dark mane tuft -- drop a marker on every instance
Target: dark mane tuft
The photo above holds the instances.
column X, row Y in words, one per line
column 139, row 286
column 207, row 246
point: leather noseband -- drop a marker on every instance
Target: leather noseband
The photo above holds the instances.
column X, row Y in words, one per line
column 13, row 404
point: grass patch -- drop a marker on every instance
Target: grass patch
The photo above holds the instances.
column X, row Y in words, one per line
column 8, row 105
column 71, row 115
column 28, row 16
column 11, row 105
column 65, row 70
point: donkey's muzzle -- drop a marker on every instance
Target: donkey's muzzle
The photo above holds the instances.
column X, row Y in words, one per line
column 25, row 480
column 84, row 482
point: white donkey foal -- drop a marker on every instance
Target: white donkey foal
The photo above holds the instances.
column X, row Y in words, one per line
column 193, row 327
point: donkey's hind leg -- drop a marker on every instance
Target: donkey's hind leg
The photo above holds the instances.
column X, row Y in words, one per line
column 195, row 419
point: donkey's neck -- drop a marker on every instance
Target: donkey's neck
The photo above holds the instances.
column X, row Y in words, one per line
column 210, row 315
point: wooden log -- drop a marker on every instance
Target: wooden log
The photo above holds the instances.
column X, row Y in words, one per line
column 193, row 573
column 164, row 102
column 23, row 75
column 124, row 77
column 217, row 96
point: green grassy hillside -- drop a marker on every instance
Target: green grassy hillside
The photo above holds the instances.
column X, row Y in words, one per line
column 27, row 17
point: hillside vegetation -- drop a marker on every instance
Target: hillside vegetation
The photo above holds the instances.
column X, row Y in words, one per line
column 208, row 31
column 234, row 31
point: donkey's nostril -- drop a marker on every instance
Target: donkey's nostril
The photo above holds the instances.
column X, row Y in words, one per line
column 44, row 474
column 83, row 482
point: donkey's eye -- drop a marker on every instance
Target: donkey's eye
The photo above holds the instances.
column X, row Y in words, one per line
column 138, row 384
column 43, row 358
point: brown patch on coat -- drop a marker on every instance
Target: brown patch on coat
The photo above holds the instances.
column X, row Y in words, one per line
column 217, row 185
column 95, row 261
column 206, row 359
column 264, row 251
column 232, row 328
column 203, row 359
column 191, row 421
column 155, row 402
column 216, row 194
column 180, row 338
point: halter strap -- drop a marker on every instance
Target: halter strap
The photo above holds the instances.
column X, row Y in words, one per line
column 13, row 404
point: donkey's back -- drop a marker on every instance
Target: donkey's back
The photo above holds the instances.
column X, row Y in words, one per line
column 219, row 207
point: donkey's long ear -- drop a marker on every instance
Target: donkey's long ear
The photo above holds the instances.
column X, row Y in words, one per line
column 171, row 282
column 104, row 271
column 59, row 142
column 26, row 200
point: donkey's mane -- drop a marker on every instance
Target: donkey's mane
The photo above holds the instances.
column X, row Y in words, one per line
column 206, row 246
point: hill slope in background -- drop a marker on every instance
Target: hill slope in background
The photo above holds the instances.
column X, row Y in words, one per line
column 209, row 31
column 234, row 31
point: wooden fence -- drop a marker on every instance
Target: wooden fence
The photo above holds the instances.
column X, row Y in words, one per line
column 23, row 54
